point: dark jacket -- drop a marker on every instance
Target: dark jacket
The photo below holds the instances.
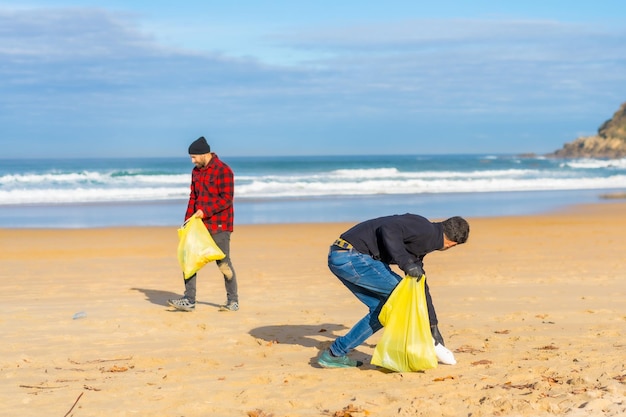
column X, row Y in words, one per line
column 402, row 240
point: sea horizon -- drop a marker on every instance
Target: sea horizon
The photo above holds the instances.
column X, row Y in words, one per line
column 126, row 192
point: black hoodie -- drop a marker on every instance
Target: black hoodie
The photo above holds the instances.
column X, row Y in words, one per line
column 401, row 239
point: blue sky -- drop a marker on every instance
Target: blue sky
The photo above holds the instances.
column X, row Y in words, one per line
column 82, row 78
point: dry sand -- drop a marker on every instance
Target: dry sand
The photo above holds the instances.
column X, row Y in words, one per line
column 533, row 307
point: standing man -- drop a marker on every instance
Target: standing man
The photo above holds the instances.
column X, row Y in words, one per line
column 361, row 259
column 211, row 199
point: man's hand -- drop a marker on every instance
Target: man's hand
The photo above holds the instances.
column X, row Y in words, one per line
column 199, row 214
column 415, row 271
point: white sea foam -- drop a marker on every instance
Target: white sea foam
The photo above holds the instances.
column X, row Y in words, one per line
column 596, row 163
column 460, row 175
column 263, row 189
column 88, row 177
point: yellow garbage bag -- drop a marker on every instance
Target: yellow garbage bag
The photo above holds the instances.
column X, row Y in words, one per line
column 406, row 344
column 196, row 247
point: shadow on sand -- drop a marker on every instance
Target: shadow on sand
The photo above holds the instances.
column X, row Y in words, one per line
column 160, row 297
column 305, row 335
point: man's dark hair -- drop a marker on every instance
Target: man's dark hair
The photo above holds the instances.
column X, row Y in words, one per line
column 456, row 229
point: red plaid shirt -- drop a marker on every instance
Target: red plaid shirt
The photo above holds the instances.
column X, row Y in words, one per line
column 212, row 190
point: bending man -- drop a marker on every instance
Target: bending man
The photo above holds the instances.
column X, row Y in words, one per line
column 361, row 259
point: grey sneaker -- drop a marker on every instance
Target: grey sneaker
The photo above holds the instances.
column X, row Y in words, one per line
column 182, row 304
column 230, row 306
column 326, row 360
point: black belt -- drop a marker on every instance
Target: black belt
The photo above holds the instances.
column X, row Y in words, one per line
column 343, row 244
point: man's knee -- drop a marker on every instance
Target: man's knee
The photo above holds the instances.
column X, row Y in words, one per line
column 226, row 270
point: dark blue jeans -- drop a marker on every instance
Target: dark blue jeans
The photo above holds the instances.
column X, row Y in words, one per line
column 372, row 282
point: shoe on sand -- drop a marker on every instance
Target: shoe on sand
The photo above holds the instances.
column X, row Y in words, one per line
column 326, row 360
column 182, row 304
column 230, row 306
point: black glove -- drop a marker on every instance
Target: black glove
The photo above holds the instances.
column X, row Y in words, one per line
column 415, row 271
column 436, row 335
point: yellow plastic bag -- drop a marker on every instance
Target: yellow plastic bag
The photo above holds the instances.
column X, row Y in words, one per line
column 196, row 247
column 406, row 344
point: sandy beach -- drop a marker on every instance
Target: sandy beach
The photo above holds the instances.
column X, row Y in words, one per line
column 532, row 306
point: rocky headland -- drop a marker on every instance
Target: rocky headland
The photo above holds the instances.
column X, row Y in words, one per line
column 610, row 142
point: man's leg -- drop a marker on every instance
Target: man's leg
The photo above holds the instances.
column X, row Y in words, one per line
column 444, row 355
column 222, row 240
column 190, row 288
column 188, row 301
column 372, row 282
column 432, row 314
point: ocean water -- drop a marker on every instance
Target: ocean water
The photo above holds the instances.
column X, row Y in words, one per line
column 76, row 193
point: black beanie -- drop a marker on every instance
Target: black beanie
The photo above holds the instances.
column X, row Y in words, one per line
column 199, row 147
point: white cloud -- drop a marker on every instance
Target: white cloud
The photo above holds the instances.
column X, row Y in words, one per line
column 79, row 67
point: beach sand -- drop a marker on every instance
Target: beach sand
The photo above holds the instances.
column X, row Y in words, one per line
column 532, row 306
